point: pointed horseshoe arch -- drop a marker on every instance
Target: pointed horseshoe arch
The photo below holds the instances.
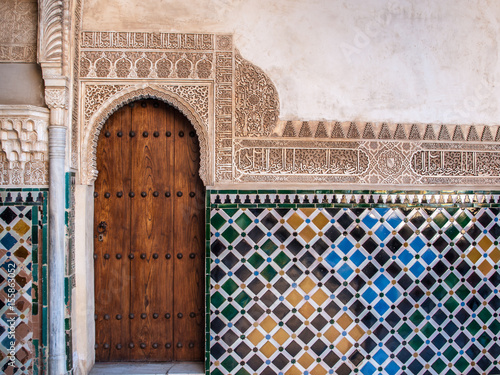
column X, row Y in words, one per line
column 92, row 130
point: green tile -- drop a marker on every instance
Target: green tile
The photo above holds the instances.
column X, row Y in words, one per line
column 230, row 234
column 416, row 342
column 440, row 220
column 451, row 304
column 451, row 280
column 256, row 260
column 229, row 363
column 417, row 318
column 452, row 232
column 440, row 292
column 242, row 371
column 229, row 312
column 450, row 353
column 269, row 247
column 463, row 219
column 243, row 299
column 282, row 259
column 269, row 273
column 217, row 299
column 461, row 364
column 473, row 327
column 243, row 221
column 463, row 292
column 495, row 327
column 230, row 286
column 485, row 315
column 439, row 366
column 405, row 330
column 217, row 221
column 484, row 339
column 428, row 330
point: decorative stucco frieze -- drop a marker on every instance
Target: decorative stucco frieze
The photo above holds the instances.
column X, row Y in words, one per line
column 51, row 30
column 24, row 145
column 18, row 26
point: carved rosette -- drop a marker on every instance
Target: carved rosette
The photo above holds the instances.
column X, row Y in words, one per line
column 257, row 101
column 24, row 145
column 191, row 100
column 56, row 98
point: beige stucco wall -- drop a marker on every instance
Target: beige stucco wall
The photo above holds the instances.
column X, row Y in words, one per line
column 21, row 84
column 377, row 60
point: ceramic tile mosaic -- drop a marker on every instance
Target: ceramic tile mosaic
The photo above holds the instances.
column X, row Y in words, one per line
column 340, row 290
column 16, row 329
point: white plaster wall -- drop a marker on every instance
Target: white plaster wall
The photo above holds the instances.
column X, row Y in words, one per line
column 372, row 60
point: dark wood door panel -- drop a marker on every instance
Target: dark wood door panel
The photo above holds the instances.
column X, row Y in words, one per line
column 149, row 268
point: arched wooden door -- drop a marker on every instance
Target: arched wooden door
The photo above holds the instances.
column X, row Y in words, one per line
column 149, row 237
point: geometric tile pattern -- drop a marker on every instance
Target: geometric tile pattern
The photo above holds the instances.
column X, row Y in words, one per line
column 340, row 290
column 16, row 282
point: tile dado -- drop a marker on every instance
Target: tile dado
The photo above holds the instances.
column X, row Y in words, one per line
column 342, row 289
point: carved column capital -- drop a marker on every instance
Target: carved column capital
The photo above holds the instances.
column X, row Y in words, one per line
column 56, row 98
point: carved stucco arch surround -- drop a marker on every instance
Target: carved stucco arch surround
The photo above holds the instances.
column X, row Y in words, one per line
column 89, row 170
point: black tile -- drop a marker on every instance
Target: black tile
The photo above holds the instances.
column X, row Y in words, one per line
column 370, row 270
column 405, row 306
column 230, row 337
column 243, row 273
column 474, row 304
column 405, row 281
column 369, row 319
column 281, row 285
column 495, row 303
column 268, row 371
column 439, row 317
column 318, row 347
column 439, row 341
column 345, row 220
column 294, row 323
column 368, row 345
column 268, row 298
column 357, row 283
column 393, row 344
column 370, row 245
column 320, row 246
column 463, row 268
column 306, row 335
column 307, row 259
column 243, row 247
column 428, row 305
column 484, row 363
column 242, row 350
column 382, row 257
column 293, row 348
column 394, row 244
column 282, row 234
column 440, row 244
column 474, row 279
column 494, row 350
column 332, row 211
column 332, row 309
column 495, row 231
column 332, row 284
column 217, row 248
column 485, row 219
column 331, row 359
column 319, row 322
column 281, row 311
column 255, row 362
column 394, row 269
column 343, row 370
column 256, row 286
column 294, row 272
column 256, row 211
column 463, row 244
column 332, row 234
column 294, row 247
column 217, row 350
column 415, row 367
column 217, row 325
column 473, row 351
column 345, row 296
column 428, row 281
column 242, row 324
column 357, row 233
column 217, row 274
column 417, row 220
column 451, row 256
column 428, row 232
column 416, row 293
column 255, row 311
column 280, row 361
column 320, row 272
column 393, row 319
column 8, row 215
column 474, row 232
column 256, row 234
column 269, row 221
column 427, row 353
column 357, row 308
column 380, row 332
column 450, row 329
column 230, row 260
column 403, row 355
column 356, row 358
column 495, row 279
column 405, row 232
column 462, row 316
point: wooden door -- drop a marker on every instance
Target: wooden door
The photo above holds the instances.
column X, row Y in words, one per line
column 149, row 237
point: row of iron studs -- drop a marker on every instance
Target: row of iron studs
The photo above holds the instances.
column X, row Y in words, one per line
column 144, row 194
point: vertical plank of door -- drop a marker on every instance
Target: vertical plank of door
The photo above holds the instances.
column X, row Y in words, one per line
column 112, row 274
column 189, row 233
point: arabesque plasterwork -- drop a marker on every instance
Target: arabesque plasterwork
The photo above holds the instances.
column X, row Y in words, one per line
column 18, row 30
column 24, row 145
column 247, row 141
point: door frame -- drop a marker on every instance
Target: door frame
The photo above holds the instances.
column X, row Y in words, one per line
column 83, row 294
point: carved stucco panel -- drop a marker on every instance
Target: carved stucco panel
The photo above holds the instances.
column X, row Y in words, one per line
column 191, row 100
column 18, row 26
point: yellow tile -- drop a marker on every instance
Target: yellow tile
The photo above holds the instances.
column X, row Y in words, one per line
column 281, row 336
column 307, row 310
column 485, row 243
column 319, row 297
column 344, row 321
column 308, row 211
column 307, row 233
column 21, row 228
column 1, row 229
column 320, row 221
column 294, row 298
column 293, row 371
column 268, row 349
column 331, row 334
column 295, row 221
column 318, row 370
column 268, row 324
column 344, row 345
column 307, row 285
column 357, row 332
column 474, row 255
column 495, row 255
column 306, row 360
column 485, row 267
column 255, row 337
